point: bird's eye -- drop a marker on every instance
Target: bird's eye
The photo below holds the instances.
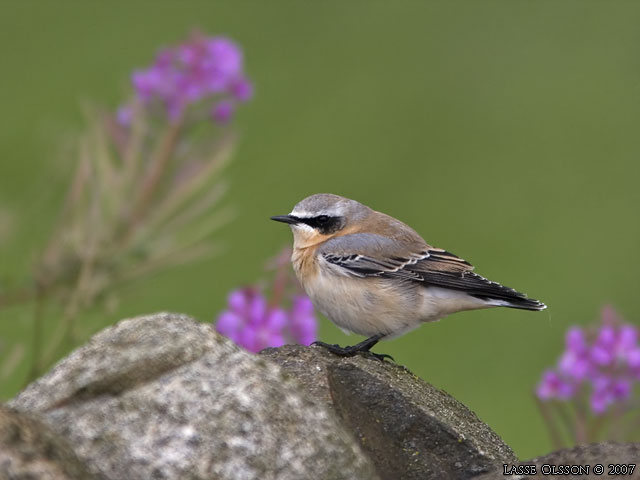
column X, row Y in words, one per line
column 322, row 219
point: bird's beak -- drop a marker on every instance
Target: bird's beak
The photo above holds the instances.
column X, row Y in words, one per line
column 286, row 219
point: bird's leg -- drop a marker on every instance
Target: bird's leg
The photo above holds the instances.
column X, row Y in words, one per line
column 364, row 346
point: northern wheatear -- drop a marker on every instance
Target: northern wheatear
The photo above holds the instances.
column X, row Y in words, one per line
column 373, row 275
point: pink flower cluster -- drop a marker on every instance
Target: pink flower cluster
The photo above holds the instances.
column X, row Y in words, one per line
column 251, row 323
column 607, row 361
column 203, row 69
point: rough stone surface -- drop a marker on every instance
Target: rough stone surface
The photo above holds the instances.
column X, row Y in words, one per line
column 593, row 454
column 31, row 450
column 410, row 429
column 163, row 396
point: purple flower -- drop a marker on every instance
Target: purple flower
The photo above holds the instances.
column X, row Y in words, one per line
column 242, row 89
column 603, row 350
column 553, row 385
column 607, row 391
column 633, row 359
column 147, row 83
column 608, row 361
column 222, row 112
column 575, row 361
column 251, row 323
column 265, row 331
column 621, row 389
column 601, row 396
column 202, row 69
column 627, row 341
column 238, row 300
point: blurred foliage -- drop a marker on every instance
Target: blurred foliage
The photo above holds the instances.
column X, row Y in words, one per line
column 144, row 195
column 503, row 131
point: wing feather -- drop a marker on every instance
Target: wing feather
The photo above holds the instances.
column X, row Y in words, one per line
column 369, row 255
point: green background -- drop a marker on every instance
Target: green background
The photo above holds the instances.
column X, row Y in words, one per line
column 503, row 131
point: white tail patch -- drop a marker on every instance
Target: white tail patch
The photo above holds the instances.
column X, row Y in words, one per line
column 498, row 303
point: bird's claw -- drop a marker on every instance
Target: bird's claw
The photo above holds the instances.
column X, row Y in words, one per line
column 380, row 356
column 351, row 351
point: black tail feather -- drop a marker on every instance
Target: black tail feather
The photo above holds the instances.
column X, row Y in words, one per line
column 479, row 287
column 516, row 302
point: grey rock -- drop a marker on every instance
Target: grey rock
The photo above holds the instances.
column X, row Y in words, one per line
column 582, row 455
column 410, row 429
column 163, row 396
column 31, row 450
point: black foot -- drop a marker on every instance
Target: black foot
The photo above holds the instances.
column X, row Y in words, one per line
column 363, row 347
column 380, row 356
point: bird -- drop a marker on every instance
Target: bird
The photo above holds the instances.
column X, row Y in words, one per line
column 375, row 276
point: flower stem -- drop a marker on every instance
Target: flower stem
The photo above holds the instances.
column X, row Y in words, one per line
column 153, row 175
column 554, row 433
column 581, row 431
column 569, row 424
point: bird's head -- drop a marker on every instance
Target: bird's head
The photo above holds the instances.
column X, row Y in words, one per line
column 321, row 216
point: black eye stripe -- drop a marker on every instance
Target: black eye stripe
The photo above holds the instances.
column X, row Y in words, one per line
column 324, row 223
column 316, row 222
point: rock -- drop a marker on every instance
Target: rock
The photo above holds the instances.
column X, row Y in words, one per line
column 163, row 396
column 31, row 450
column 594, row 454
column 410, row 429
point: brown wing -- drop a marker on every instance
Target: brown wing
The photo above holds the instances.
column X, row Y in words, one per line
column 369, row 255
column 443, row 269
column 366, row 254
